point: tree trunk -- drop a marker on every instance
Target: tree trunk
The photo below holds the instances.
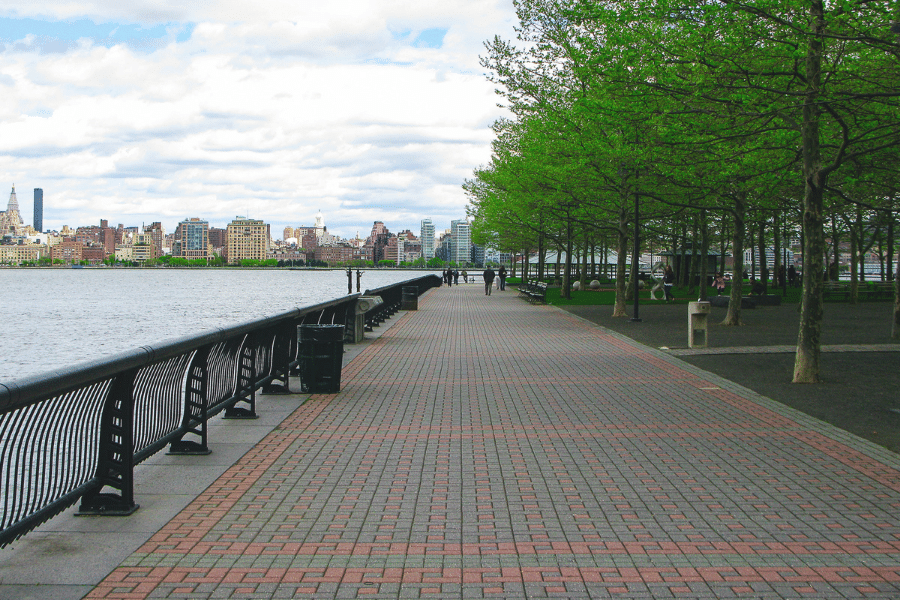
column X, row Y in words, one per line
column 855, row 245
column 540, row 261
column 723, row 245
column 776, row 242
column 567, row 276
column 619, row 309
column 806, row 362
column 704, row 254
column 763, row 259
column 584, row 264
column 737, row 245
column 895, row 330
column 692, row 276
column 890, row 242
column 557, row 267
column 753, row 260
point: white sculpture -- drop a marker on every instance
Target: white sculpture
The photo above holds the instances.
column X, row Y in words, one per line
column 595, row 285
column 656, row 276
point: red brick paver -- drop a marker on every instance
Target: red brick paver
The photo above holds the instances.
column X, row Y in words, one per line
column 486, row 447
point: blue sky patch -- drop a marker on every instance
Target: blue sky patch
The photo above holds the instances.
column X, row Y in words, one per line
column 105, row 34
column 430, row 38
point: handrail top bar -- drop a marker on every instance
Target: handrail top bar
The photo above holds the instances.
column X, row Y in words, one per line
column 17, row 393
column 377, row 291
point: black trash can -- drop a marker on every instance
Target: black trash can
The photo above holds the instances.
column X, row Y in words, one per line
column 321, row 353
column 409, row 299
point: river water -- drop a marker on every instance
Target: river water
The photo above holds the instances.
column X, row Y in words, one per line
column 59, row 317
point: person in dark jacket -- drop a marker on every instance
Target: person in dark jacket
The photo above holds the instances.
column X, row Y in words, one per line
column 502, row 275
column 488, row 280
column 668, row 280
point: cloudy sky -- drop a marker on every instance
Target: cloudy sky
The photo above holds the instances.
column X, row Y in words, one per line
column 146, row 110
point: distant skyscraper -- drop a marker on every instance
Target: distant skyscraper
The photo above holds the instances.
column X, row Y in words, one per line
column 461, row 245
column 427, row 237
column 38, row 209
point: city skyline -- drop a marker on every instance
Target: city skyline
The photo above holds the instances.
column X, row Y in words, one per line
column 289, row 110
column 170, row 229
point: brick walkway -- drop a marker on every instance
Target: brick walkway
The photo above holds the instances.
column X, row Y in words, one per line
column 485, row 447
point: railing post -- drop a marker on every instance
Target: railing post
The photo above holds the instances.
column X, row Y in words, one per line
column 246, row 381
column 281, row 361
column 115, row 464
column 196, row 400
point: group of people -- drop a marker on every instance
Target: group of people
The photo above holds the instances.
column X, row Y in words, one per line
column 489, row 276
column 451, row 276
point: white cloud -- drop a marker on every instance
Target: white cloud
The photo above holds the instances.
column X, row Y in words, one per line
column 269, row 108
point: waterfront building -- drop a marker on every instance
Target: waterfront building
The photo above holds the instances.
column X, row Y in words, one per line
column 377, row 241
column 93, row 253
column 248, row 239
column 158, row 233
column 124, row 253
column 68, row 251
column 461, row 242
column 192, row 240
column 142, row 247
column 218, row 239
column 39, row 209
column 10, row 219
column 16, row 254
column 426, row 235
column 336, row 253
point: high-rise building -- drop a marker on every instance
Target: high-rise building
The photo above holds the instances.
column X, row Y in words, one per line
column 39, row 209
column 11, row 220
column 191, row 239
column 427, row 237
column 461, row 246
column 158, row 233
column 248, row 239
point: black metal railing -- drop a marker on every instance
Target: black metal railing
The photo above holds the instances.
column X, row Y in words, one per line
column 392, row 298
column 77, row 433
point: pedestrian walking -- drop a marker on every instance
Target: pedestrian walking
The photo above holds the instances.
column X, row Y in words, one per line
column 501, row 274
column 668, row 280
column 488, row 280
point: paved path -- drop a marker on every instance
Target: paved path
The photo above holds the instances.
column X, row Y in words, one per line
column 485, row 447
